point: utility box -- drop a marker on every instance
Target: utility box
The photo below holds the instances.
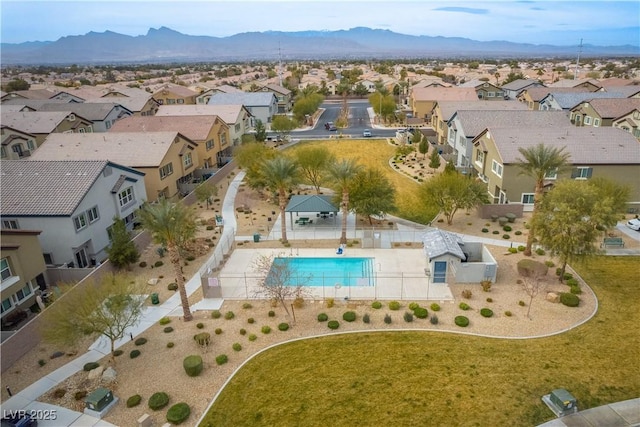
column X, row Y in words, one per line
column 98, row 399
column 563, row 399
column 256, row 237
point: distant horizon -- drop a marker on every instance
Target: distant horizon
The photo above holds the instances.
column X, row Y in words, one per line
column 542, row 22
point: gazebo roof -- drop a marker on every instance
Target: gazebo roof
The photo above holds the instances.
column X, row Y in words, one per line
column 439, row 242
column 313, row 203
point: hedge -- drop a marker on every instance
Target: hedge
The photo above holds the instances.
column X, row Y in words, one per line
column 134, row 401
column 421, row 313
column 322, row 317
column 349, row 316
column 333, row 324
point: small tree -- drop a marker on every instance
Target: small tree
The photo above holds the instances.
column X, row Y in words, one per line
column 283, row 125
column 423, row 147
column 434, row 159
column 532, row 286
column 107, row 308
column 261, row 131
column 313, row 160
column 372, row 194
column 122, row 251
column 276, row 278
column 205, row 191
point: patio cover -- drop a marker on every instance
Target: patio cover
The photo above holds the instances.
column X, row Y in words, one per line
column 312, row 203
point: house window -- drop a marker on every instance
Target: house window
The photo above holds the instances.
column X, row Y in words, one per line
column 171, row 101
column 31, row 145
column 6, row 304
column 491, row 94
column 582, row 173
column 166, row 170
column 80, row 221
column 480, row 157
column 188, row 161
column 496, row 168
column 587, row 120
column 223, row 139
column 81, row 130
column 24, row 292
column 48, row 259
column 527, row 198
column 3, row 152
column 125, row 196
column 552, row 174
column 209, row 144
column 237, row 127
column 452, row 135
column 180, row 101
column 5, row 270
column 93, row 214
column 596, row 122
column 10, row 224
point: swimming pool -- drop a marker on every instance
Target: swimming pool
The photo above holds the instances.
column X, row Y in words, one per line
column 343, row 271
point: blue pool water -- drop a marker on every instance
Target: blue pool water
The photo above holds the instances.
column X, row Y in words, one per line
column 324, row 271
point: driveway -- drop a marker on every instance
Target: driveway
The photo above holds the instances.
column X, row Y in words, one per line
column 629, row 232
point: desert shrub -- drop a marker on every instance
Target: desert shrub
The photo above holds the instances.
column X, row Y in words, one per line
column 229, row 315
column 549, row 263
column 190, row 258
column 540, row 251
column 387, row 319
column 178, row 413
column 59, row 393
column 333, row 324
column 434, row 320
column 531, row 268
column 376, row 304
column 172, row 286
column 283, row 326
column 42, row 362
column 90, row 366
column 489, row 299
column 567, row 276
column 521, row 248
column 508, row 313
column 209, row 227
column 366, row 318
column 272, row 313
column 518, row 233
column 202, row 339
column 421, row 313
column 134, row 354
column 158, row 400
column 485, row 230
column 158, row 264
column 170, row 344
column 495, row 232
column 192, row 365
column 349, row 316
column 486, row 285
column 222, row 359
column 330, row 302
column 247, row 305
column 572, row 282
column 569, row 299
column 408, row 316
column 251, row 320
column 118, row 353
column 298, row 302
column 140, row 341
column 461, row 321
column 466, row 293
column 322, row 317
column 464, row 306
column 200, row 325
column 252, row 337
column 506, row 236
column 575, row 289
column 217, row 331
column 243, row 331
column 236, row 346
column 413, row 306
column 486, row 312
column 507, row 228
column 168, row 329
column 435, row 306
column 265, row 329
column 394, row 305
column 78, row 395
column 143, row 264
column 513, row 250
column 165, row 321
column 215, row 314
column 521, row 303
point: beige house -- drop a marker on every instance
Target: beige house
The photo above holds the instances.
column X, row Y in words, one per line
column 423, row 99
column 41, row 124
column 590, row 85
column 605, row 152
column 167, row 159
column 144, row 105
column 284, row 96
column 15, row 143
column 531, row 97
column 485, row 90
column 603, row 111
column 209, row 132
column 23, row 272
column 171, row 94
column 629, row 123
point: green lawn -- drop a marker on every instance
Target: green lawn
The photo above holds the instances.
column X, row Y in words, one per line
column 376, row 153
column 436, row 379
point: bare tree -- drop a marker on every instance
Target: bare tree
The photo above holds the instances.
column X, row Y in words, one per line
column 533, row 285
column 279, row 281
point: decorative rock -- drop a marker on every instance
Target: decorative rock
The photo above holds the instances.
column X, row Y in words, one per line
column 553, row 297
column 153, row 281
column 109, row 374
column 95, row 373
column 56, row 354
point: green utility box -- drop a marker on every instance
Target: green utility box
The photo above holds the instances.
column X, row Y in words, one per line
column 563, row 399
column 256, row 237
column 98, row 399
column 155, row 300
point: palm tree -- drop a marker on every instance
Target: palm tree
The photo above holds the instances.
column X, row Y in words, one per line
column 342, row 173
column 280, row 174
column 538, row 162
column 172, row 225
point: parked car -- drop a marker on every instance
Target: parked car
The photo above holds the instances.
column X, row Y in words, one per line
column 634, row 224
column 20, row 419
column 332, row 127
column 329, row 125
column 367, row 133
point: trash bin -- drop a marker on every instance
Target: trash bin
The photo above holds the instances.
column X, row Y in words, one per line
column 155, row 299
column 256, row 237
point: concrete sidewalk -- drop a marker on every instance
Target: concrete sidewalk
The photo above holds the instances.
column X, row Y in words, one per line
column 620, row 414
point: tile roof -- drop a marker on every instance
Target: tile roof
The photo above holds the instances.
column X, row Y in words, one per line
column 613, row 108
column 474, row 121
column 435, row 93
column 132, row 103
column 520, row 84
column 229, row 113
column 89, row 110
column 177, row 89
column 574, row 82
column 439, row 242
column 278, row 89
column 586, row 145
column 570, row 100
column 539, row 93
column 253, row 99
column 35, row 93
column 448, row 108
column 133, row 149
column 34, row 121
column 196, row 128
column 45, row 188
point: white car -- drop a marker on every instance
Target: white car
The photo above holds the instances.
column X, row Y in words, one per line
column 634, row 224
column 366, row 133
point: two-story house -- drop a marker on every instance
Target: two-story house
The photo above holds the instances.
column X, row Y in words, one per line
column 603, row 111
column 72, row 202
column 531, row 97
column 629, row 122
column 591, row 85
column 22, row 268
column 261, row 105
column 605, row 152
column 16, row 144
column 237, row 118
column 485, row 90
column 167, row 159
column 209, row 132
column 566, row 101
column 423, row 99
column 284, row 96
column 171, row 94
column 513, row 89
column 42, row 124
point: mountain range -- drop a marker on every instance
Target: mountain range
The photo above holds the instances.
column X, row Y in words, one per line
column 164, row 45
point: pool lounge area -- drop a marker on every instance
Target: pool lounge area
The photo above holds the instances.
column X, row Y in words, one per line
column 397, row 274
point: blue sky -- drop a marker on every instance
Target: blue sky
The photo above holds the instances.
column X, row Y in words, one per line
column 539, row 22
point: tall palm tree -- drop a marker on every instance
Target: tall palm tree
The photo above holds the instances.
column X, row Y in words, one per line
column 280, row 174
column 342, row 173
column 172, row 225
column 538, row 162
